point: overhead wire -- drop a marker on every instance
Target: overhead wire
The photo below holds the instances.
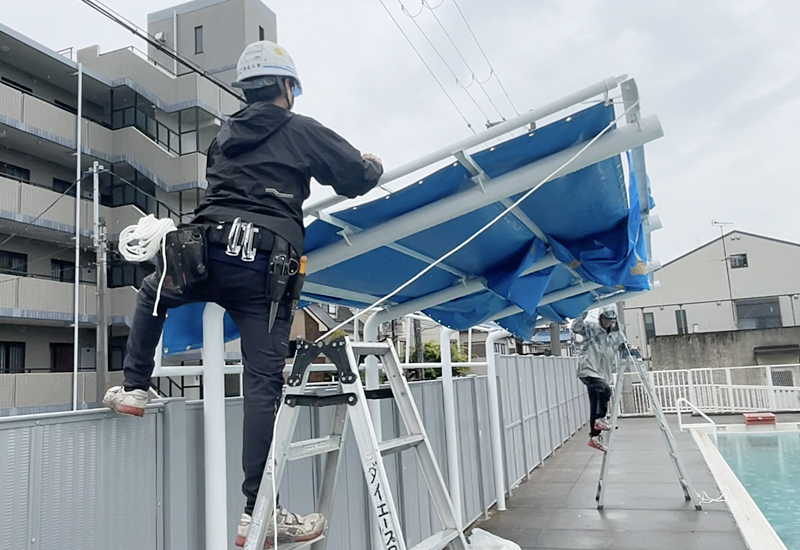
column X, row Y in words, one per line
column 486, row 57
column 163, row 48
column 430, row 70
column 446, row 64
column 480, row 231
column 475, row 79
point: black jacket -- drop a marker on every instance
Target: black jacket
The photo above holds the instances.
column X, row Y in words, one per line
column 261, row 163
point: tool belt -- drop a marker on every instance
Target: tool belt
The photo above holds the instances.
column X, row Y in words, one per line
column 285, row 277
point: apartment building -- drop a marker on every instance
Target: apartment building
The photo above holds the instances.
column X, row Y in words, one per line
column 148, row 121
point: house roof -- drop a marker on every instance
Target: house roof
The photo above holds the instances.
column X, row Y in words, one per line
column 725, row 236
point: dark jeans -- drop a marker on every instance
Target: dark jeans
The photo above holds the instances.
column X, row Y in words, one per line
column 240, row 288
column 599, row 395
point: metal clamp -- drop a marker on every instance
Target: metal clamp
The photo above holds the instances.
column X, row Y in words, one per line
column 241, row 240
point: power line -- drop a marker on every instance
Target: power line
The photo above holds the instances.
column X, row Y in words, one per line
column 494, row 72
column 446, row 64
column 458, row 51
column 449, row 97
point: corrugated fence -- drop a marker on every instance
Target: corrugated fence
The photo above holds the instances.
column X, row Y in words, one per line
column 93, row 480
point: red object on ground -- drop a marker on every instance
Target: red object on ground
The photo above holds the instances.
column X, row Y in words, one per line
column 759, row 418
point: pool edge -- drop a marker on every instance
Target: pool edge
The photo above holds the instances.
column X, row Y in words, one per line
column 756, row 530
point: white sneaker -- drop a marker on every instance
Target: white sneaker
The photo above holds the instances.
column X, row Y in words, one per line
column 601, row 424
column 291, row 528
column 131, row 403
column 596, row 442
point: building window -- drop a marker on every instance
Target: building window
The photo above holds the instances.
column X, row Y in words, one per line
column 122, row 274
column 61, row 359
column 680, row 318
column 261, row 33
column 500, row 348
column 13, row 263
column 15, row 172
column 64, row 186
column 12, row 357
column 63, row 271
column 738, row 261
column 759, row 313
column 649, row 326
column 198, row 40
column 332, row 309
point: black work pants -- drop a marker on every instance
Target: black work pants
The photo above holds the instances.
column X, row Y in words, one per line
column 599, row 396
column 241, row 288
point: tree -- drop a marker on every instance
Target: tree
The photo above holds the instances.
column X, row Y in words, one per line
column 432, row 353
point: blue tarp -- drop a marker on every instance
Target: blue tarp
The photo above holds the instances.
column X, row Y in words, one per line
column 584, row 215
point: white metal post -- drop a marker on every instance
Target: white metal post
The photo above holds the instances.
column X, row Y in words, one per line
column 448, row 392
column 469, row 345
column 407, row 349
column 216, row 489
column 495, row 426
column 773, row 401
column 76, row 351
column 729, row 385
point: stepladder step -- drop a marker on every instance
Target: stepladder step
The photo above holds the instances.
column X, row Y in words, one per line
column 296, row 545
column 371, row 348
column 400, row 444
column 314, row 447
column 439, row 541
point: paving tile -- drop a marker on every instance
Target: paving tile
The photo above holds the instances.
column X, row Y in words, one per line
column 644, row 504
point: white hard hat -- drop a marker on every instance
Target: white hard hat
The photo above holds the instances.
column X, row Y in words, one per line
column 262, row 64
column 609, row 312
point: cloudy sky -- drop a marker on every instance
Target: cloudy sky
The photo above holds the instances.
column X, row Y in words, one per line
column 722, row 75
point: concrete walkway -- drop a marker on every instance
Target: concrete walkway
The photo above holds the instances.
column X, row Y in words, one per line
column 644, row 505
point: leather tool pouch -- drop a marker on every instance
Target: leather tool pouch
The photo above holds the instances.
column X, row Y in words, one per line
column 187, row 258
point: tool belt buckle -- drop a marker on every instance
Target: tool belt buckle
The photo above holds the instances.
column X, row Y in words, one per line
column 241, row 240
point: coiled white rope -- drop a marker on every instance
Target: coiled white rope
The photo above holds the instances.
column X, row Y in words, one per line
column 140, row 243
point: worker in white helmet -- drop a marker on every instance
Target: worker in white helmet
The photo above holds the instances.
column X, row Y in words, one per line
column 597, row 352
column 259, row 172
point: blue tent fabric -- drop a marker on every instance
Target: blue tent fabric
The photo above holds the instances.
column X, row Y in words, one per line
column 585, row 216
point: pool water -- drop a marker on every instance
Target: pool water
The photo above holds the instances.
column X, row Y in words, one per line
column 768, row 465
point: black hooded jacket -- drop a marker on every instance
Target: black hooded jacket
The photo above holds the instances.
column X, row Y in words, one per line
column 261, row 163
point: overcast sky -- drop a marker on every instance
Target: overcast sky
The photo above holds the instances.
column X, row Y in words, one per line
column 722, row 75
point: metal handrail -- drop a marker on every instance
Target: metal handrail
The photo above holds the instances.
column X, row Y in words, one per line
column 682, row 400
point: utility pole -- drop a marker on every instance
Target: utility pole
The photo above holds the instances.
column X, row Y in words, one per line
column 101, row 250
column 725, row 259
column 555, row 339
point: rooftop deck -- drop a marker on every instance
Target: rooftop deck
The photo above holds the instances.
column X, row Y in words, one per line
column 644, row 505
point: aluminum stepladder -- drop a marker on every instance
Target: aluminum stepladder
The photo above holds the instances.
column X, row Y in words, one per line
column 669, row 440
column 352, row 413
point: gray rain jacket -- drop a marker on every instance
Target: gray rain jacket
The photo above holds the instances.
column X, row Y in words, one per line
column 598, row 350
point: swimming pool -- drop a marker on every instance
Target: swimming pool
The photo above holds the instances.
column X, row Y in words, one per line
column 768, row 466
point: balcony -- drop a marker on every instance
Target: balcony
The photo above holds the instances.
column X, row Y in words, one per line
column 44, row 299
column 168, row 92
column 37, row 117
column 22, row 202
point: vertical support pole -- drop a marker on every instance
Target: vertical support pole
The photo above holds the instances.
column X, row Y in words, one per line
column 555, row 339
column 216, row 490
column 469, row 346
column 773, row 401
column 729, row 385
column 407, row 349
column 101, row 251
column 372, row 378
column 355, row 327
column 175, row 44
column 448, row 391
column 76, row 348
column 495, row 426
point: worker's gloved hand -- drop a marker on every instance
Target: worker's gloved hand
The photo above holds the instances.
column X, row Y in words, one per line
column 370, row 156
